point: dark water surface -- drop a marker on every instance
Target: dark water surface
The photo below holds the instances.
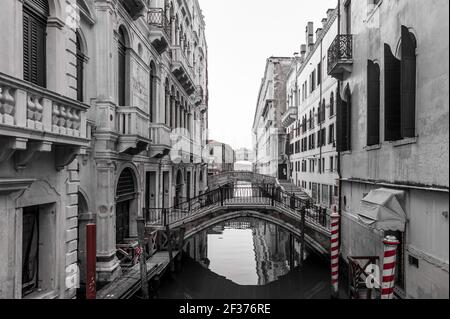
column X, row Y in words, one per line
column 247, row 259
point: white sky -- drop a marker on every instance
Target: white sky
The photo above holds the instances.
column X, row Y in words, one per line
column 241, row 35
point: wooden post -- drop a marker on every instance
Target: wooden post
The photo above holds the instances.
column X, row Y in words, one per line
column 91, row 261
column 302, row 238
column 169, row 248
column 142, row 258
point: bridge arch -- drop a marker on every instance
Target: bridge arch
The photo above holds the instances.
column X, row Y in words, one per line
column 263, row 216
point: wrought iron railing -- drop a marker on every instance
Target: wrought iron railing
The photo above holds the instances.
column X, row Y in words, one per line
column 263, row 195
column 340, row 50
column 157, row 17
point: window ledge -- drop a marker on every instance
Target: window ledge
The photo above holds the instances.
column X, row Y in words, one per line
column 406, row 141
column 373, row 147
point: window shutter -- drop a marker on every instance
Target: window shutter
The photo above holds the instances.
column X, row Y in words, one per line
column 34, row 47
column 341, row 124
column 373, row 103
column 80, row 71
column 392, row 96
column 121, row 69
column 408, row 84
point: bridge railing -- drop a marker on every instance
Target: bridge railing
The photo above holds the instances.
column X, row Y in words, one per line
column 242, row 176
column 255, row 195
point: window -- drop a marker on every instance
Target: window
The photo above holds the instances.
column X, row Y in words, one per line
column 348, row 16
column 80, row 69
column 35, row 14
column 332, row 104
column 344, row 122
column 400, row 89
column 319, row 74
column 373, row 103
column 331, row 134
column 331, row 163
column 121, row 67
column 152, row 93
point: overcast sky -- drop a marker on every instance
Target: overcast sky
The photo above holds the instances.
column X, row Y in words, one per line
column 241, row 35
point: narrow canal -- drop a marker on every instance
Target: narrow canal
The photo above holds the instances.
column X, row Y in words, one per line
column 249, row 259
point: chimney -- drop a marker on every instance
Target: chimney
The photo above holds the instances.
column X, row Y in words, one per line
column 303, row 51
column 324, row 22
column 310, row 35
column 318, row 33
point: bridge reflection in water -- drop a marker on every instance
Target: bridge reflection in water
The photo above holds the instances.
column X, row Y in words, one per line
column 247, row 258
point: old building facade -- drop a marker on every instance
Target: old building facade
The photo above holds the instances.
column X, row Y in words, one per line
column 393, row 114
column 269, row 138
column 310, row 119
column 104, row 116
column 220, row 157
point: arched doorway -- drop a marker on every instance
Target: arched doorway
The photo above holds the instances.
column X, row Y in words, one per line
column 84, row 218
column 125, row 198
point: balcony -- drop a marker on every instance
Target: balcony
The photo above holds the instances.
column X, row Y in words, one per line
column 160, row 140
column 132, row 126
column 182, row 70
column 290, row 116
column 160, row 29
column 340, row 56
column 134, row 8
column 34, row 119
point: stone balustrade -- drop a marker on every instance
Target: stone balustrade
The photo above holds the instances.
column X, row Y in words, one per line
column 35, row 109
column 132, row 121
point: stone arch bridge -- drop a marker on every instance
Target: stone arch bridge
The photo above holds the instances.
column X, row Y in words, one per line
column 261, row 201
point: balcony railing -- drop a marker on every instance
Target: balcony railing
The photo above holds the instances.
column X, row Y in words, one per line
column 132, row 126
column 340, row 55
column 157, row 18
column 40, row 113
column 183, row 70
column 34, row 120
column 290, row 116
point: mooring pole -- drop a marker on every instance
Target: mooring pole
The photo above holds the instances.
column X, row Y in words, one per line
column 335, row 221
column 142, row 257
column 169, row 248
column 302, row 237
column 389, row 264
column 91, row 261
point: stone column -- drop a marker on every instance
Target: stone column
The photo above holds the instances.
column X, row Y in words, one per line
column 107, row 263
column 172, row 111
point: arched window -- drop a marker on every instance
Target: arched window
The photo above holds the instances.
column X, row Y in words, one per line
column 80, row 68
column 121, row 66
column 373, row 103
column 400, row 89
column 332, row 104
column 152, row 93
column 35, row 14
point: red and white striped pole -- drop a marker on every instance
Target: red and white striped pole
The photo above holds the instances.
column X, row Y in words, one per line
column 389, row 263
column 335, row 218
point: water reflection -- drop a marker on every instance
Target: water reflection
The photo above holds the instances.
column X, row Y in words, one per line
column 247, row 258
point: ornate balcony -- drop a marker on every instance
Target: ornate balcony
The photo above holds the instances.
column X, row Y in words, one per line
column 340, row 56
column 160, row 29
column 34, row 119
column 161, row 143
column 134, row 8
column 290, row 116
column 132, row 126
column 182, row 70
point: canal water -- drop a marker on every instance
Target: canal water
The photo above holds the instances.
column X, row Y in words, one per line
column 249, row 259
